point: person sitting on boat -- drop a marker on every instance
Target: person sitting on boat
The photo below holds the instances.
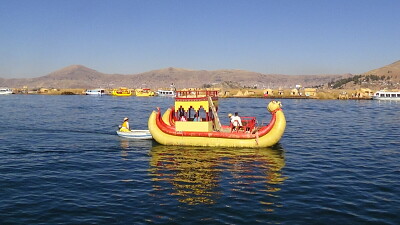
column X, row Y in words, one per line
column 236, row 121
column 196, row 118
column 125, row 125
column 183, row 118
column 230, row 122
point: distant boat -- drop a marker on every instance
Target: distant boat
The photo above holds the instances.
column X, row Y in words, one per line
column 122, row 92
column 95, row 92
column 386, row 95
column 164, row 93
column 5, row 91
column 145, row 92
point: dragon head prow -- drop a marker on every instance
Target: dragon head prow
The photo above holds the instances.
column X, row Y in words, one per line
column 274, row 105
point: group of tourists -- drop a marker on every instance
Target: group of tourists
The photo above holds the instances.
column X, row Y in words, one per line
column 183, row 118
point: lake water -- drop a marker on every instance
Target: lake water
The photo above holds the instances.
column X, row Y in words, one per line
column 62, row 163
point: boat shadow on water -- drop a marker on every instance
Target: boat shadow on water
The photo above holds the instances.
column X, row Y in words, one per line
column 199, row 175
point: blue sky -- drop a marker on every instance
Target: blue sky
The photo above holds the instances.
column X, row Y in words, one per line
column 268, row 36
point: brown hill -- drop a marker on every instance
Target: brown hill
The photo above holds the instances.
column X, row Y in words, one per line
column 197, row 78
column 387, row 77
column 75, row 76
column 78, row 76
column 391, row 70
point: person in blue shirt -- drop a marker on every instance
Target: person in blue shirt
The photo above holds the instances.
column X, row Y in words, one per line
column 196, row 118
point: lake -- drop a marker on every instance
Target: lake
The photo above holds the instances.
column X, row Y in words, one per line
column 62, row 163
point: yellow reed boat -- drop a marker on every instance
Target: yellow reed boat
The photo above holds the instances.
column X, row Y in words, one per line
column 194, row 121
column 122, row 92
column 145, row 92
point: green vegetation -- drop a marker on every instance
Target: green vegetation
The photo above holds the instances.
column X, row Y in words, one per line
column 375, row 78
column 357, row 79
column 318, row 86
column 250, row 87
column 340, row 83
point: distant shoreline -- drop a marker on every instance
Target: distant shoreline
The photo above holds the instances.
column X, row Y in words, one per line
column 322, row 94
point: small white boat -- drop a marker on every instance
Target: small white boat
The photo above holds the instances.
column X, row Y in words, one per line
column 5, row 91
column 387, row 95
column 95, row 92
column 164, row 93
column 136, row 134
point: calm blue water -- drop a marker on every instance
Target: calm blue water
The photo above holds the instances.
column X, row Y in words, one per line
column 62, row 163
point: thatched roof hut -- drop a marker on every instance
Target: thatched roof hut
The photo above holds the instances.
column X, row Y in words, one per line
column 239, row 94
column 311, row 92
column 268, row 91
column 248, row 93
column 363, row 92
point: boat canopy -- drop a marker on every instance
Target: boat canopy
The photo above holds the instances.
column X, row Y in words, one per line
column 184, row 100
column 198, row 106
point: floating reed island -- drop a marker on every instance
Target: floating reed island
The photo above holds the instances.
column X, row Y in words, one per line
column 294, row 93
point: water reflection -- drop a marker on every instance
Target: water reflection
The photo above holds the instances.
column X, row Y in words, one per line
column 127, row 145
column 124, row 143
column 199, row 175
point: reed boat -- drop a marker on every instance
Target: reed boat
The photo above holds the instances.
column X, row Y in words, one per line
column 171, row 129
column 122, row 92
column 145, row 92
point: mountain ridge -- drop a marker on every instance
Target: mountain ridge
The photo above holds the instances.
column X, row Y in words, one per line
column 80, row 76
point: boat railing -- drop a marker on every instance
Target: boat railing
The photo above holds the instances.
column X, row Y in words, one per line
column 195, row 94
column 248, row 123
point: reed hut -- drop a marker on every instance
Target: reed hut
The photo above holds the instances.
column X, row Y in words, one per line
column 268, row 92
column 310, row 92
column 363, row 93
column 281, row 91
column 43, row 90
column 294, row 91
column 239, row 94
column 343, row 95
column 249, row 93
